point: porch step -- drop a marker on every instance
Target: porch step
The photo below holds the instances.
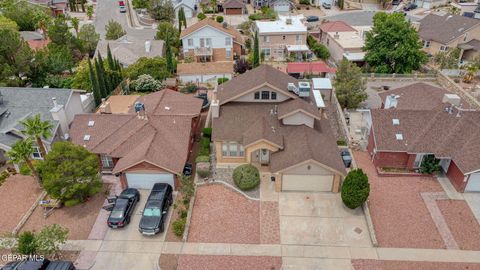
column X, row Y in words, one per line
column 447, row 186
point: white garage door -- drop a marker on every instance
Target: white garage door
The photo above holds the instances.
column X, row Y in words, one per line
column 473, row 184
column 147, row 180
column 291, row 182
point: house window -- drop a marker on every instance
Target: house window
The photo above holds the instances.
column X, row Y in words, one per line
column 465, row 37
column 190, row 42
column 443, row 48
column 426, row 44
column 266, row 53
column 228, row 53
column 107, row 161
column 283, row 37
column 256, row 95
column 228, row 41
column 36, row 153
column 328, row 41
column 232, row 149
column 265, row 94
column 209, row 42
column 266, row 39
column 297, row 38
column 273, row 95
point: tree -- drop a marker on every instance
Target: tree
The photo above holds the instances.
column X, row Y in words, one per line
column 470, row 74
column 214, row 4
column 145, row 83
column 448, row 59
column 355, row 189
column 89, row 12
column 181, row 16
column 75, row 23
column 38, row 130
column 58, row 59
column 89, row 38
column 21, row 152
column 101, row 79
column 114, row 30
column 241, row 66
column 393, row 45
column 24, row 15
column 6, row 23
column 15, row 57
column 165, row 30
column 70, row 173
column 349, row 85
column 50, row 238
column 169, row 56
column 162, row 10
column 155, row 67
column 58, row 31
column 256, row 52
column 201, row 16
column 97, row 95
column 26, row 243
column 104, row 75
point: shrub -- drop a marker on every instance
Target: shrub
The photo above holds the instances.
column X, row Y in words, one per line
column 355, row 189
column 203, row 169
column 265, row 14
column 341, row 142
column 219, row 19
column 189, row 88
column 202, row 159
column 204, row 147
column 207, row 133
column 246, row 177
column 183, row 213
column 430, row 165
column 3, row 176
column 26, row 243
column 50, row 239
column 179, row 226
column 72, row 202
column 201, row 16
column 221, row 80
column 304, row 2
column 24, row 170
column 146, row 83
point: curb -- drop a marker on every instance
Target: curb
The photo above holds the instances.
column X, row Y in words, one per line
column 28, row 213
column 371, row 229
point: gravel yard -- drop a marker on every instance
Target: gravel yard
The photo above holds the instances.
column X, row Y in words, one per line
column 403, row 265
column 200, row 262
column 17, row 195
column 462, row 223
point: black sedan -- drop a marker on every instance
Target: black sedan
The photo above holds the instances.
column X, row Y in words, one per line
column 123, row 208
column 347, row 158
column 409, row 6
column 312, row 19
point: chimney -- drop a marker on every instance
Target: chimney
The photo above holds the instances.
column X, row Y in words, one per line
column 336, row 36
column 148, row 45
column 288, row 21
column 58, row 114
column 215, row 105
column 105, row 107
column 391, row 101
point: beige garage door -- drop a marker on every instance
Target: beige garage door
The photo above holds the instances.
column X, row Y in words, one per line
column 291, row 182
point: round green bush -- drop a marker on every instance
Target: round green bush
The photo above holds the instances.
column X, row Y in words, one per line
column 201, row 16
column 219, row 19
column 179, row 226
column 202, row 159
column 71, row 202
column 26, row 243
column 355, row 189
column 246, row 177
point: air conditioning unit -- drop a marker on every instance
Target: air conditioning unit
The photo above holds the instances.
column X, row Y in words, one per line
column 304, row 89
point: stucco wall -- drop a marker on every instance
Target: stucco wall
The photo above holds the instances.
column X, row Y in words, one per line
column 250, row 96
column 299, row 118
column 217, row 37
column 73, row 107
column 456, row 177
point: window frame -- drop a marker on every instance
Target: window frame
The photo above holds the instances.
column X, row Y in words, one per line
column 190, row 42
column 228, row 41
column 273, row 95
column 233, row 149
column 107, row 161
column 265, row 95
column 37, row 154
column 228, row 53
column 256, row 95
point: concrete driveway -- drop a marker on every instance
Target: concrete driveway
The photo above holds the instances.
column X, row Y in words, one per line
column 320, row 219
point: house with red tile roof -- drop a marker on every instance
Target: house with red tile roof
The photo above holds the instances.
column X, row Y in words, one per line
column 150, row 143
column 422, row 120
column 270, row 119
column 299, row 69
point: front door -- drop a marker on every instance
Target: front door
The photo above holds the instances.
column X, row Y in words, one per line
column 445, row 163
column 264, row 156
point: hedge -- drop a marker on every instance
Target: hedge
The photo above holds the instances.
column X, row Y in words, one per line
column 246, row 177
column 207, row 133
column 179, row 226
column 204, row 147
column 355, row 189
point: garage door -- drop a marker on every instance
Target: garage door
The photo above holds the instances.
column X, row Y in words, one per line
column 188, row 13
column 473, row 184
column 291, row 182
column 147, row 180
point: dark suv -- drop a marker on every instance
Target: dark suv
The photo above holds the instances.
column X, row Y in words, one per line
column 156, row 209
column 39, row 265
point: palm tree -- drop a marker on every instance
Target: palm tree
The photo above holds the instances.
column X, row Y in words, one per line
column 75, row 21
column 471, row 73
column 21, row 152
column 37, row 129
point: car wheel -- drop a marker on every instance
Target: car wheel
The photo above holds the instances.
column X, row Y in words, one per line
column 161, row 228
column 128, row 220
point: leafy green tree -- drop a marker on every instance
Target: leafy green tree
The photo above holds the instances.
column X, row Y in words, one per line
column 89, row 12
column 81, row 79
column 219, row 19
column 201, row 16
column 256, row 52
column 155, row 67
column 38, row 130
column 162, row 10
column 15, row 58
column 58, row 31
column 58, row 59
column 169, row 56
column 101, row 79
column 6, row 23
column 75, row 22
column 106, row 78
column 97, row 95
column 114, row 30
column 448, row 59
column 21, row 152
column 349, row 85
column 355, row 189
column 137, row 4
column 89, row 38
column 430, row 164
column 145, row 83
column 70, row 173
column 50, row 239
column 165, row 30
column 393, row 45
column 26, row 16
column 26, row 243
column 181, row 15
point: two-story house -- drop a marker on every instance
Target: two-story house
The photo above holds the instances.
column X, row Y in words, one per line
column 267, row 118
column 278, row 39
column 342, row 41
column 441, row 33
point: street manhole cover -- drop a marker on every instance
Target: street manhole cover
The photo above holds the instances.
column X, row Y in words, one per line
column 358, row 230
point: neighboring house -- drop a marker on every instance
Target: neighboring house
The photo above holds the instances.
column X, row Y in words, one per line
column 281, row 6
column 278, row 39
column 343, row 42
column 56, row 105
column 441, row 33
column 415, row 123
column 128, row 50
column 429, row 4
column 189, row 7
column 209, row 41
column 333, row 27
column 57, row 6
column 149, row 144
column 267, row 118
column 208, row 72
column 36, row 41
column 234, row 7
column 317, row 68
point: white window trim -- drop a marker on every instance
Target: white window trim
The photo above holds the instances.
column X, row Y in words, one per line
column 37, row 151
column 228, row 149
column 107, row 161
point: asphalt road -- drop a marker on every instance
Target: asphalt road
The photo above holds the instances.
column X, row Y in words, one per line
column 108, row 10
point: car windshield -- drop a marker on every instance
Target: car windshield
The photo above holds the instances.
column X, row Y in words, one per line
column 151, row 212
column 116, row 214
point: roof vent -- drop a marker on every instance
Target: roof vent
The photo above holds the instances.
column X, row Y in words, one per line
column 91, row 123
column 399, row 136
column 139, row 106
column 86, row 137
column 167, row 108
column 396, row 122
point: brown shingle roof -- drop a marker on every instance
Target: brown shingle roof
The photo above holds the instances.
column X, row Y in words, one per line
column 205, row 68
column 162, row 139
column 233, row 4
column 237, row 37
column 445, row 28
column 336, row 26
column 254, row 78
column 121, row 103
column 294, row 105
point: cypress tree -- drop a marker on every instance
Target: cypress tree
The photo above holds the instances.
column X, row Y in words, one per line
column 169, row 56
column 180, row 19
column 95, row 89
column 110, row 58
column 105, row 75
column 101, row 80
column 256, row 52
column 184, row 19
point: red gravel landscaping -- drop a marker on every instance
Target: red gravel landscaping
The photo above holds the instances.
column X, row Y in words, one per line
column 399, row 214
column 221, row 215
column 461, row 222
column 403, row 265
column 199, row 262
column 17, row 195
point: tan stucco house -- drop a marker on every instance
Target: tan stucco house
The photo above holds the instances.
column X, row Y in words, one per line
column 267, row 118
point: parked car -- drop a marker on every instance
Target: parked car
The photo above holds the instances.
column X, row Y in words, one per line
column 396, row 2
column 122, row 7
column 312, row 18
column 204, row 97
column 326, row 5
column 409, row 6
column 347, row 158
column 123, row 209
column 187, row 170
column 156, row 208
column 39, row 265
